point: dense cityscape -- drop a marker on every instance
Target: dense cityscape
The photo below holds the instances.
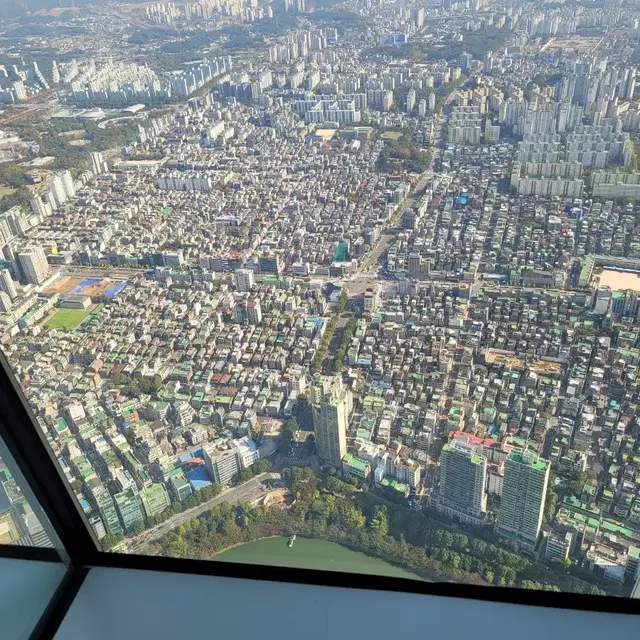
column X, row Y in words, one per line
column 365, row 272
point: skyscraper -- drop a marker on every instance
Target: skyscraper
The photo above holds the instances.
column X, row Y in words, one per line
column 332, row 404
column 463, row 473
column 34, row 265
column 523, row 495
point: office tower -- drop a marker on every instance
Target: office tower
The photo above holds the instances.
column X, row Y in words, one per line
column 332, row 404
column 270, row 264
column 524, row 491
column 370, row 300
column 107, row 510
column 155, row 500
column 463, row 473
column 7, row 285
column 222, row 466
column 244, row 279
column 128, row 506
column 602, row 300
column 33, row 264
column 97, row 525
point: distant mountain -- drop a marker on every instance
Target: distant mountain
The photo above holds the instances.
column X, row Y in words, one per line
column 18, row 7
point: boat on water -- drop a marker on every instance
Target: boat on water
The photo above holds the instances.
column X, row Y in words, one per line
column 292, row 539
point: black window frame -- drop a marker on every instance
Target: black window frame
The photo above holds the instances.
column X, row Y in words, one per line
column 43, row 481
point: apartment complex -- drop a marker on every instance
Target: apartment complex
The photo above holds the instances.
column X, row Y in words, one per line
column 523, row 495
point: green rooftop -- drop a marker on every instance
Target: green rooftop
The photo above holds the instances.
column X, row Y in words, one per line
column 356, row 463
column 538, row 464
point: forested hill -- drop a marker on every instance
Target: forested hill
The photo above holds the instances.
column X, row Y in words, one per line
column 18, row 7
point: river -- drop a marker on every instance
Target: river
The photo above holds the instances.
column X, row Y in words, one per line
column 308, row 553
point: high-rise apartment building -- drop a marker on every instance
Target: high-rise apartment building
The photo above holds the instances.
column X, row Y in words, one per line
column 5, row 302
column 244, row 279
column 7, row 285
column 418, row 17
column 332, row 403
column 34, row 265
column 463, row 474
column 524, row 491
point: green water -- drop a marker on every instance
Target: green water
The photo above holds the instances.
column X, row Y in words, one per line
column 308, row 553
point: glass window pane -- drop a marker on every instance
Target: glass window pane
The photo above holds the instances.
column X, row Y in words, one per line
column 348, row 287
column 19, row 524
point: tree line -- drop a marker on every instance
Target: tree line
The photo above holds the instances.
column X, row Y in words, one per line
column 327, row 337
column 347, row 336
column 340, row 511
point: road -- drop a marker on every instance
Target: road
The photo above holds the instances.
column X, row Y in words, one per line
column 250, row 491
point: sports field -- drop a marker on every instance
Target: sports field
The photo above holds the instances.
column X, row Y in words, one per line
column 67, row 319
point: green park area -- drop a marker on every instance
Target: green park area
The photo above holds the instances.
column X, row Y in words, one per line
column 67, row 319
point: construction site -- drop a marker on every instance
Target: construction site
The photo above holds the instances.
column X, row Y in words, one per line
column 94, row 287
column 517, row 363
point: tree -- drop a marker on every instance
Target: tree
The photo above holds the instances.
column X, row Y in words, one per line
column 111, row 540
column 342, row 301
column 136, row 529
column 20, row 198
column 216, row 489
column 12, row 174
column 507, row 575
column 337, row 486
column 379, row 520
column 263, row 466
column 287, row 433
column 257, row 432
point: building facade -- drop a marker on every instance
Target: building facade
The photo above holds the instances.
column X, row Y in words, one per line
column 463, row 473
column 524, row 491
column 331, row 409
